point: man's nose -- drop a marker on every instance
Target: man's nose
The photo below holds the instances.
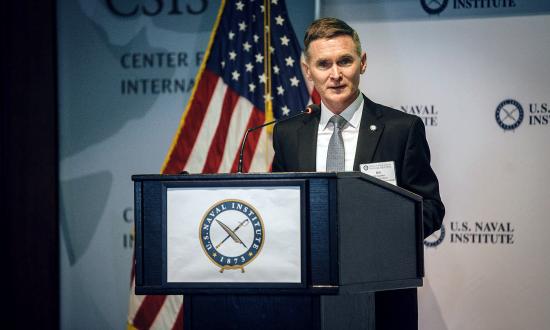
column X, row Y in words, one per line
column 335, row 72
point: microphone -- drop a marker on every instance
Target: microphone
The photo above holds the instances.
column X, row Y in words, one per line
column 309, row 110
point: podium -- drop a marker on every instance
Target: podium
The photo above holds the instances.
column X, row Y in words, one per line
column 355, row 235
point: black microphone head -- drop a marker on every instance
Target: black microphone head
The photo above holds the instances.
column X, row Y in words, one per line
column 312, row 108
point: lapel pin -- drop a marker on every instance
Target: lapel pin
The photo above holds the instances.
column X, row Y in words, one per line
column 372, row 128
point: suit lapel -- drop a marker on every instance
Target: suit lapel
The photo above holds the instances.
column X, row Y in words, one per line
column 370, row 131
column 307, row 143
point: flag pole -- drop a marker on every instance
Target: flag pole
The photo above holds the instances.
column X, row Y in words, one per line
column 267, row 63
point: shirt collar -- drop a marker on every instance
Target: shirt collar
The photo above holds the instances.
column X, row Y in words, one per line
column 350, row 114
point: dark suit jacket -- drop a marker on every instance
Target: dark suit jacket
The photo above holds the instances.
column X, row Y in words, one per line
column 398, row 136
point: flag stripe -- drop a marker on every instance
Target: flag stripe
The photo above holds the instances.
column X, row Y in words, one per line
column 171, row 165
column 257, row 117
column 315, row 97
column 207, row 129
column 264, row 153
column 178, row 325
column 148, row 311
column 168, row 314
column 216, row 151
column 237, row 129
column 135, row 301
column 185, row 141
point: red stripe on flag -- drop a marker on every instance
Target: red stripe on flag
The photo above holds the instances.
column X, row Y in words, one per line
column 193, row 122
column 178, row 325
column 148, row 311
column 217, row 146
column 133, row 272
column 257, row 117
column 315, row 97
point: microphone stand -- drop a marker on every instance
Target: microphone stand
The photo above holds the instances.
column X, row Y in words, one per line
column 310, row 109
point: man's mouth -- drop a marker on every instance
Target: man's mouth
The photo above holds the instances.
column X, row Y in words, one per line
column 337, row 88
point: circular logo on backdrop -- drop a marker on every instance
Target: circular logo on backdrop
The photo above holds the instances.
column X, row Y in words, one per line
column 509, row 114
column 436, row 238
column 231, row 234
column 434, row 7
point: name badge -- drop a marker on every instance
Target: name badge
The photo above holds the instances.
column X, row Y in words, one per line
column 384, row 171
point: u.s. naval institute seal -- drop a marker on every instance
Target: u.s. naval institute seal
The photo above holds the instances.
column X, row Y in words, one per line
column 231, row 234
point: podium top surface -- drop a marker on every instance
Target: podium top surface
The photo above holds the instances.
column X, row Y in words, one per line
column 237, row 176
column 276, row 176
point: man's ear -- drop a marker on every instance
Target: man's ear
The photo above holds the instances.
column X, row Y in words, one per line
column 363, row 62
column 305, row 68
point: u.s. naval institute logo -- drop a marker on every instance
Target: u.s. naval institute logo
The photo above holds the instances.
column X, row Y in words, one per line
column 434, row 7
column 509, row 114
column 231, row 234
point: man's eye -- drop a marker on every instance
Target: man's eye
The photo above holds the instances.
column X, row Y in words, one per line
column 345, row 61
column 323, row 65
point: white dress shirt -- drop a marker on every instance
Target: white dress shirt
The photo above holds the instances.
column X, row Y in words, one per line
column 352, row 114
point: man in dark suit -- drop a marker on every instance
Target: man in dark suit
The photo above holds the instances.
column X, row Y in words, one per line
column 351, row 130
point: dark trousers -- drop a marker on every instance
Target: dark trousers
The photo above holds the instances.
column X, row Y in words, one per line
column 396, row 309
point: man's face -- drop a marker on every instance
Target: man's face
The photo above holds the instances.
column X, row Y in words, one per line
column 334, row 68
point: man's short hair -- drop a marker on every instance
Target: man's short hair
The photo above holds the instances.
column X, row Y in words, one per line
column 328, row 27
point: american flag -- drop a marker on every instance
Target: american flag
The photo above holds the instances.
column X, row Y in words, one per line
column 251, row 74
